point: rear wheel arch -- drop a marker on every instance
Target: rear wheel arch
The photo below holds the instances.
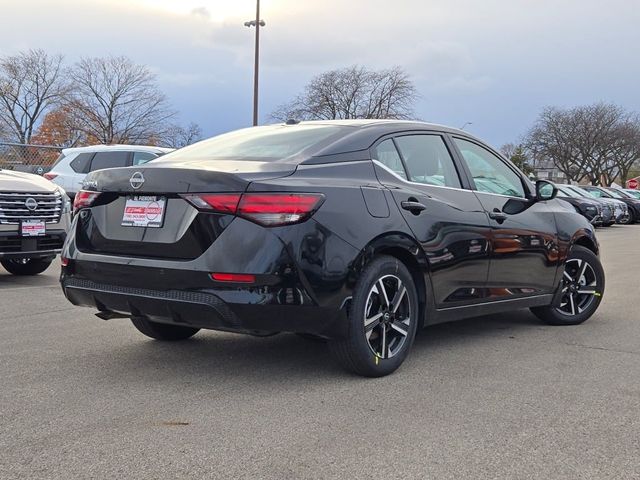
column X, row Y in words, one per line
column 409, row 252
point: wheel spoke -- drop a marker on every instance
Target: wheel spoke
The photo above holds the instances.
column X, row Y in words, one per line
column 587, row 292
column 383, row 293
column 573, row 304
column 370, row 323
column 568, row 277
column 399, row 327
column 583, row 266
column 383, row 342
column 397, row 299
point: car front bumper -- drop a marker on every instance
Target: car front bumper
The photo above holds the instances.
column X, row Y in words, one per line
column 12, row 245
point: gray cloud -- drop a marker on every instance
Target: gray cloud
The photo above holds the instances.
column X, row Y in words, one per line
column 495, row 63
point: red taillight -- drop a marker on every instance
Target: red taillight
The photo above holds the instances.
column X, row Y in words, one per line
column 218, row 202
column 233, row 277
column 268, row 209
column 64, row 261
column 50, row 176
column 84, row 199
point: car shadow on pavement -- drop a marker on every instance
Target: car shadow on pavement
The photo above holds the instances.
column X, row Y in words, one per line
column 213, row 357
column 12, row 281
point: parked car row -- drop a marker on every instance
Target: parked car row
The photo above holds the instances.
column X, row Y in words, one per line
column 602, row 206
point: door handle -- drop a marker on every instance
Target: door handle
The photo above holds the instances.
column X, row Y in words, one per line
column 498, row 215
column 413, row 207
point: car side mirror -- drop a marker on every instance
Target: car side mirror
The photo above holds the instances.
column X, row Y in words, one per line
column 545, row 191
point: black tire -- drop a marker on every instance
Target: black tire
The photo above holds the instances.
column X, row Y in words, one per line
column 594, row 281
column 633, row 217
column 162, row 331
column 357, row 351
column 25, row 267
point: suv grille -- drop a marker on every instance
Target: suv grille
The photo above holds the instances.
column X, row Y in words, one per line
column 15, row 207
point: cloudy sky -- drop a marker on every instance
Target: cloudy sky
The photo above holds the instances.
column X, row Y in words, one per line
column 494, row 63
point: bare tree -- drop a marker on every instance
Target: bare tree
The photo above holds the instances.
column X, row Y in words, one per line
column 596, row 142
column 30, row 84
column 116, row 101
column 353, row 92
column 177, row 136
column 518, row 155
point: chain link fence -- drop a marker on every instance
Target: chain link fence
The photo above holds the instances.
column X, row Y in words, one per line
column 36, row 159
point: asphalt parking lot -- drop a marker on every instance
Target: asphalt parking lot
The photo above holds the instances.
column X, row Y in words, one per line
column 493, row 397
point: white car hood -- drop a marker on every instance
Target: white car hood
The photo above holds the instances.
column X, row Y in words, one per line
column 20, row 182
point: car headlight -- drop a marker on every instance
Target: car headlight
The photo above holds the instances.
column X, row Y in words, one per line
column 66, row 201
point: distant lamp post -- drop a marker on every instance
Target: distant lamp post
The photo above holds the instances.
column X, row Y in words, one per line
column 465, row 125
column 256, row 23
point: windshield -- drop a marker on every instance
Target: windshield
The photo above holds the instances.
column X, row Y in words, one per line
column 270, row 143
column 597, row 193
column 581, row 192
column 633, row 193
column 616, row 194
column 567, row 192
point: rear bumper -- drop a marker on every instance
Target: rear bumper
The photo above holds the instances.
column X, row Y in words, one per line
column 207, row 309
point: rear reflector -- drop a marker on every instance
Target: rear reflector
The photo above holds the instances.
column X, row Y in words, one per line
column 84, row 199
column 233, row 277
column 64, row 261
column 267, row 209
column 50, row 176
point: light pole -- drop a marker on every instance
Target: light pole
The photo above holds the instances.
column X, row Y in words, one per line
column 256, row 23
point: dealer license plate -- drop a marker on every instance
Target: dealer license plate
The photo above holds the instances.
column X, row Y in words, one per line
column 33, row 228
column 144, row 211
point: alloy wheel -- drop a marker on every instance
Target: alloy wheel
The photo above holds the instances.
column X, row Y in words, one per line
column 387, row 316
column 579, row 287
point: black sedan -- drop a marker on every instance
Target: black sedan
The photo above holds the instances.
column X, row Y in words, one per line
column 358, row 232
column 591, row 209
column 632, row 202
column 633, row 205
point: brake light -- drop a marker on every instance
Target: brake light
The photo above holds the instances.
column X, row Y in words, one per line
column 84, row 199
column 271, row 209
column 233, row 277
column 50, row 176
column 219, row 202
column 267, row 209
column 64, row 261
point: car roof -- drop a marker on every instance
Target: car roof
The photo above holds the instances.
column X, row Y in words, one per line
column 368, row 131
column 115, row 148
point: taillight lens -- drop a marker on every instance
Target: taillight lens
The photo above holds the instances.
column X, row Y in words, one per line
column 50, row 176
column 84, row 199
column 219, row 202
column 272, row 209
column 267, row 209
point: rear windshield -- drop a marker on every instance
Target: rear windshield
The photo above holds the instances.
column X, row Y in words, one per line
column 269, row 143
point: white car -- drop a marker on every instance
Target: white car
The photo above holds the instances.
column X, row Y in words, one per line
column 35, row 216
column 75, row 163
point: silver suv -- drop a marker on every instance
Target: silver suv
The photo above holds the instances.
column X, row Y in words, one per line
column 35, row 215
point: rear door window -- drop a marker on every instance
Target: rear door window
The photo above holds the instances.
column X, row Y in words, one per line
column 140, row 158
column 387, row 154
column 428, row 160
column 81, row 163
column 109, row 160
